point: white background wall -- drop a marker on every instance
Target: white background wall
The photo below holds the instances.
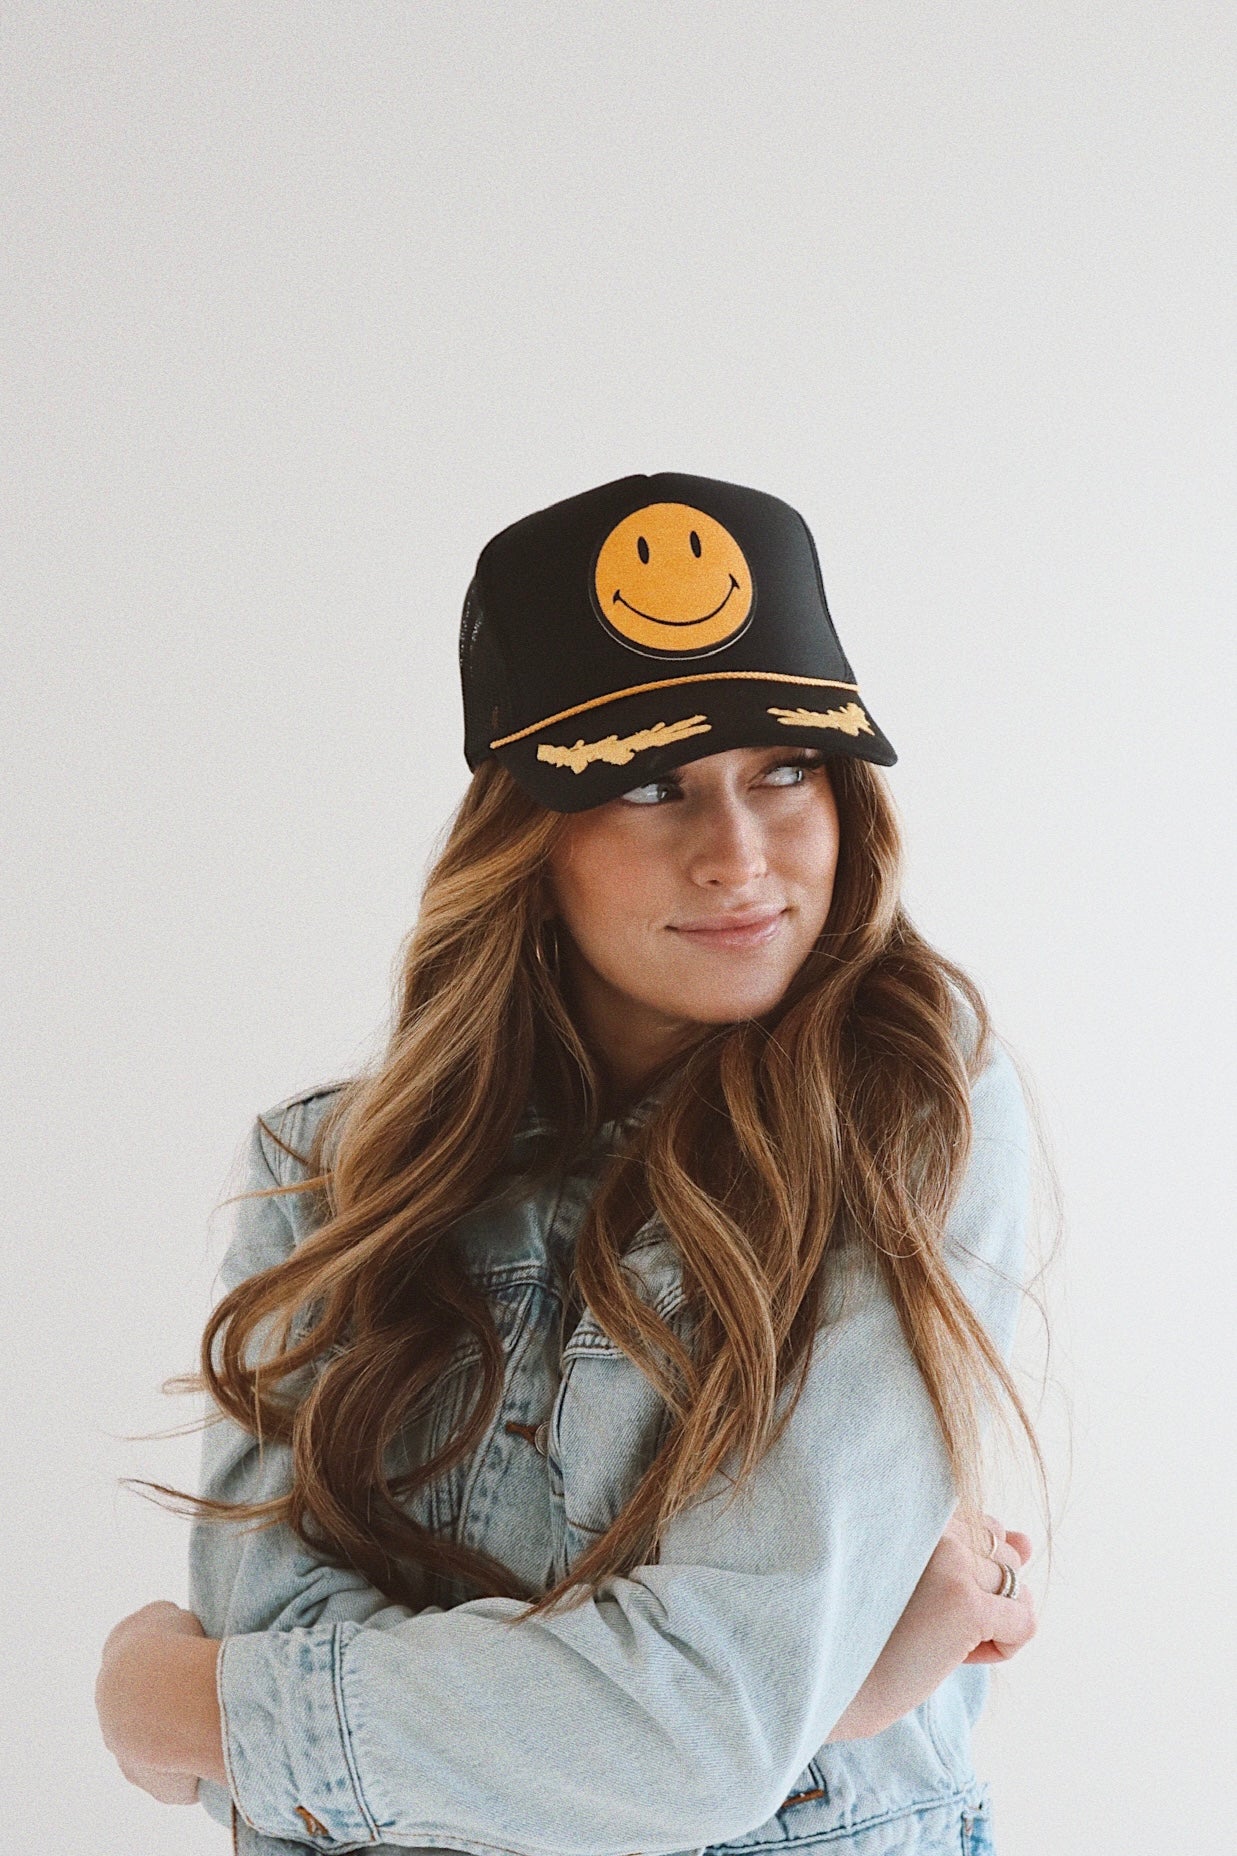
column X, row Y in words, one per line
column 303, row 302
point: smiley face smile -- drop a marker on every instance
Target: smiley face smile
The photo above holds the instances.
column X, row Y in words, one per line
column 654, row 620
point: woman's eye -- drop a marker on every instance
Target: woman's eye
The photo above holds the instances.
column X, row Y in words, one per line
column 793, row 771
column 649, row 795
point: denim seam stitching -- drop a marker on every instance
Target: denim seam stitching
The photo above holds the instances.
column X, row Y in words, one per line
column 230, row 1775
column 521, row 1341
column 337, row 1691
column 937, row 1802
column 582, row 1345
column 275, row 1166
column 935, row 1739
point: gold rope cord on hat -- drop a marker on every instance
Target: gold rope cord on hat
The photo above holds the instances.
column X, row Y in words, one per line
column 850, row 720
column 669, row 683
column 618, row 752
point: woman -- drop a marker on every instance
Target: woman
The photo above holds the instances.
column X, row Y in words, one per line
column 608, row 1366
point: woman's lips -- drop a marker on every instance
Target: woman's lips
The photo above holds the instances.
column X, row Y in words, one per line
column 743, row 928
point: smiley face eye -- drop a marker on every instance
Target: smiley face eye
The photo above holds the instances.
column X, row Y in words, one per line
column 695, row 541
column 642, row 549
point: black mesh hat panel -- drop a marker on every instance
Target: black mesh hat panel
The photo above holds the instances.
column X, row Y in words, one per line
column 481, row 674
column 648, row 622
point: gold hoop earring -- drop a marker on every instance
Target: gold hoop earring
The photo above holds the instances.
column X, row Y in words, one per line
column 549, row 967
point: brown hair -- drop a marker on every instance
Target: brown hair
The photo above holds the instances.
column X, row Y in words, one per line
column 844, row 1113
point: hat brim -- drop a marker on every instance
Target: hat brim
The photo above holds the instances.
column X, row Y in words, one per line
column 589, row 755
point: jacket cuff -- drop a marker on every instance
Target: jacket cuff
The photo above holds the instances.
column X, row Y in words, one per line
column 286, row 1748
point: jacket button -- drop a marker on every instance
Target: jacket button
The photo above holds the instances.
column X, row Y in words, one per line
column 541, row 1437
column 312, row 1825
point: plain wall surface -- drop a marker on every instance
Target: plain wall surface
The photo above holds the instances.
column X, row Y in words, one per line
column 303, row 303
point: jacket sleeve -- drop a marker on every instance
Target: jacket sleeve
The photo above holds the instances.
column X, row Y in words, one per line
column 241, row 1579
column 676, row 1707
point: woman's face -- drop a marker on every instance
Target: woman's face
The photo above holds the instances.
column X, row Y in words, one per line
column 694, row 900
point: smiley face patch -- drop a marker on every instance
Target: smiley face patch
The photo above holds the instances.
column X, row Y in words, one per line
column 671, row 581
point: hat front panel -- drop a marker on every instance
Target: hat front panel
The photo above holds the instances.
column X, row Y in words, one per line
column 750, row 601
column 654, row 620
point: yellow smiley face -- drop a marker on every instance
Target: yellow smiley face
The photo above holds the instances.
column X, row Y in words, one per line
column 671, row 578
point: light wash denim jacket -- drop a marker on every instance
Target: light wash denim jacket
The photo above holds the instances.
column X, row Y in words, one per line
column 683, row 1709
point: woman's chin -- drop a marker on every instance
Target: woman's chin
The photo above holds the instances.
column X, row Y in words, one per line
column 724, row 1005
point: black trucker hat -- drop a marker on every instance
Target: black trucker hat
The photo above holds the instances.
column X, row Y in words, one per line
column 649, row 622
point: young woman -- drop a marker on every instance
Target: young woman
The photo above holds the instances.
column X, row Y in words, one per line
column 607, row 1368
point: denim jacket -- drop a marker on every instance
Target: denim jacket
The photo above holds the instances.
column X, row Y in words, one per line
column 684, row 1708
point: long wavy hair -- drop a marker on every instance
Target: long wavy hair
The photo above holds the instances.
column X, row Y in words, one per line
column 841, row 1116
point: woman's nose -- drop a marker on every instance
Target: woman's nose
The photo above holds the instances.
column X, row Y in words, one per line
column 729, row 848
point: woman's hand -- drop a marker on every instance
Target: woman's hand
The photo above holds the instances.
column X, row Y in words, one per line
column 953, row 1616
column 167, row 1787
column 155, row 1714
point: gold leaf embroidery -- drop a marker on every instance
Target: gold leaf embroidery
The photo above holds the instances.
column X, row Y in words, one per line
column 850, row 719
column 618, row 752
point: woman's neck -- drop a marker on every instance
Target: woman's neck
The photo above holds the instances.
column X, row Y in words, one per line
column 629, row 1046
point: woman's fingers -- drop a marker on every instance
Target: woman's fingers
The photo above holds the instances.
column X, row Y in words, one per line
column 992, row 1652
column 1013, row 1626
column 1012, row 1548
column 1017, row 1626
column 1013, row 1537
column 1006, row 1622
column 160, row 1617
column 1010, row 1618
column 989, row 1568
column 167, row 1787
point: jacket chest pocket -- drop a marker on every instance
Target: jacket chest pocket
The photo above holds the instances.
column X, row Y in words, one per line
column 607, row 1426
column 608, row 1421
column 498, row 1497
